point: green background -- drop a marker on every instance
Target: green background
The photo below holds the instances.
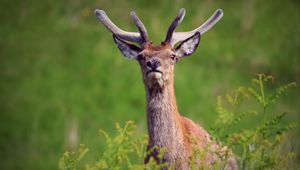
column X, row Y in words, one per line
column 63, row 78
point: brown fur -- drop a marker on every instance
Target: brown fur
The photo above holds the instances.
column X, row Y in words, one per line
column 166, row 127
column 151, row 47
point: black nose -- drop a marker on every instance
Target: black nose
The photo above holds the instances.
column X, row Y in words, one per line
column 154, row 63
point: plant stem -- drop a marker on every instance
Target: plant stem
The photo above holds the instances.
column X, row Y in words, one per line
column 262, row 92
column 244, row 156
column 264, row 110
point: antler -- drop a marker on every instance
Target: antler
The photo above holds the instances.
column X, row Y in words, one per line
column 140, row 25
column 174, row 37
column 174, row 24
column 138, row 37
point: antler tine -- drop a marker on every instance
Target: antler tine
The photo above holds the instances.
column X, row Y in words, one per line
column 140, row 26
column 174, row 24
column 128, row 36
column 180, row 36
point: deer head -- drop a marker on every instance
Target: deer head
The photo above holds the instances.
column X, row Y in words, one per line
column 157, row 61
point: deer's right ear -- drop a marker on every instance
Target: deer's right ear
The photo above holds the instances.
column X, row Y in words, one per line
column 130, row 51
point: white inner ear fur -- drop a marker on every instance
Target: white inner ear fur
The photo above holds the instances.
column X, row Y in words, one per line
column 188, row 47
column 126, row 50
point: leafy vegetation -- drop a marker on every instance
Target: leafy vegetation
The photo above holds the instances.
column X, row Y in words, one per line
column 256, row 147
column 62, row 78
column 124, row 151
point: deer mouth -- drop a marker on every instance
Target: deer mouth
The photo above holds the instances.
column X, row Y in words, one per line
column 153, row 72
column 154, row 78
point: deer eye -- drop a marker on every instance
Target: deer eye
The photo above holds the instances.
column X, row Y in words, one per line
column 173, row 56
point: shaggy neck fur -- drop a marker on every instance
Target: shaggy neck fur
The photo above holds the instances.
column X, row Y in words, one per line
column 163, row 120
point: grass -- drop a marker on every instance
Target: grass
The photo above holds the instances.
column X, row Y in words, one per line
column 59, row 65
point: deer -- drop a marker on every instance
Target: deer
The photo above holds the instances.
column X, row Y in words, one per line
column 167, row 129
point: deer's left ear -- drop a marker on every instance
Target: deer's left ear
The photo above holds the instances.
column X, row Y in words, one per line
column 130, row 51
column 188, row 46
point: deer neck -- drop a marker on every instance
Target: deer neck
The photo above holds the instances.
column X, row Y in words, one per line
column 163, row 118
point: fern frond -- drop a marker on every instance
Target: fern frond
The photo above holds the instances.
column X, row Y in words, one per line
column 256, row 96
column 269, row 125
column 289, row 127
column 279, row 91
column 225, row 117
column 243, row 115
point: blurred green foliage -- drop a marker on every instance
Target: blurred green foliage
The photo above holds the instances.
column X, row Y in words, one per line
column 62, row 77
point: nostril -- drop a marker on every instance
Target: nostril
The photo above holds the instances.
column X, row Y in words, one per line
column 148, row 64
column 156, row 63
column 153, row 64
